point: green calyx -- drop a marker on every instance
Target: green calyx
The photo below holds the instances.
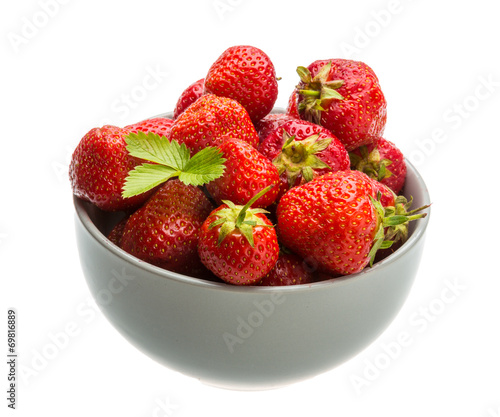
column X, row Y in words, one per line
column 242, row 218
column 393, row 223
column 370, row 163
column 298, row 157
column 317, row 91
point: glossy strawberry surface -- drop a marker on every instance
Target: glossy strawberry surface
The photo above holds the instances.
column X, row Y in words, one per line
column 212, row 120
column 358, row 118
column 99, row 166
column 247, row 172
column 234, row 259
column 289, row 269
column 159, row 125
column 330, row 221
column 164, row 232
column 292, row 104
column 247, row 75
column 334, row 155
column 116, row 233
column 189, row 96
column 269, row 123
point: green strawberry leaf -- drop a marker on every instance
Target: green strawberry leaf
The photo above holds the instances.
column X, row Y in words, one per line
column 304, row 74
column 145, row 177
column 171, row 159
column 203, row 167
column 155, row 148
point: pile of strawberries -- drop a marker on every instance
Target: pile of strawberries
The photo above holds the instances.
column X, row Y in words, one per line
column 227, row 190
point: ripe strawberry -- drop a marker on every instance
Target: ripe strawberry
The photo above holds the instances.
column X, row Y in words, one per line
column 238, row 243
column 164, row 232
column 189, row 96
column 288, row 270
column 302, row 150
column 116, row 233
column 269, row 123
column 292, row 107
column 247, row 173
column 99, row 166
column 382, row 161
column 345, row 97
column 335, row 221
column 159, row 125
column 247, row 75
column 212, row 120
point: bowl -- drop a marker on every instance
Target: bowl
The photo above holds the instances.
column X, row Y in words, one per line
column 245, row 338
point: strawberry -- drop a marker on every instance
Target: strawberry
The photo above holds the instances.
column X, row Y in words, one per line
column 159, row 125
column 383, row 161
column 116, row 233
column 269, row 123
column 335, row 221
column 345, row 97
column 212, row 120
column 302, row 150
column 247, row 75
column 247, row 173
column 238, row 243
column 164, row 232
column 99, row 166
column 189, row 96
column 292, row 107
column 288, row 270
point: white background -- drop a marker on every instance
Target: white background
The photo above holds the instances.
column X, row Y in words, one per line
column 68, row 66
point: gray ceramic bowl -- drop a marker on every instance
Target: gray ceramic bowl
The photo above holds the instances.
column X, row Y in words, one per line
column 246, row 338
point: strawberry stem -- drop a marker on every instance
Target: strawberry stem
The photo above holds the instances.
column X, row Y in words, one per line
column 310, row 93
column 298, row 157
column 317, row 92
column 393, row 223
column 241, row 216
column 370, row 163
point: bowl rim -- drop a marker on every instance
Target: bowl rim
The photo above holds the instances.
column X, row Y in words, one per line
column 416, row 235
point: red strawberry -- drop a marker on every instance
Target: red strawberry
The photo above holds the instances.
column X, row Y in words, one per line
column 247, row 75
column 247, row 173
column 99, row 166
column 302, row 150
column 189, row 96
column 379, row 191
column 382, row 161
column 159, row 125
column 164, row 232
column 288, row 270
column 335, row 221
column 238, row 244
column 116, row 233
column 212, row 120
column 345, row 97
column 292, row 107
column 269, row 123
